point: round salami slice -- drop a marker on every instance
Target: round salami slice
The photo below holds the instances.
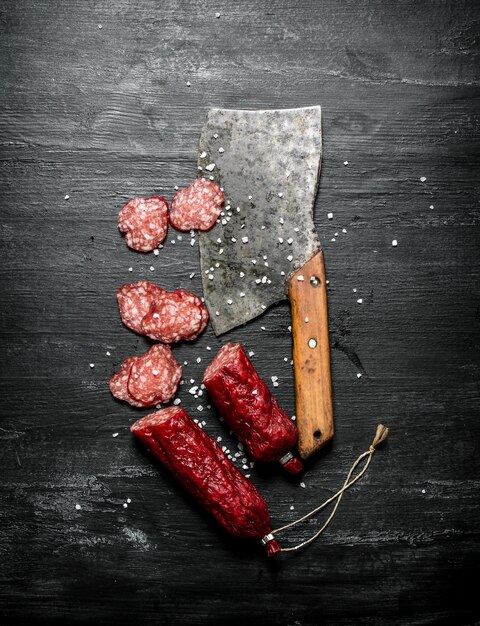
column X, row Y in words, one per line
column 197, row 207
column 175, row 316
column 144, row 222
column 154, row 377
column 119, row 383
column 135, row 301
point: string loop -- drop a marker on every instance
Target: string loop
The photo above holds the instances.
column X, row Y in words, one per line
column 380, row 436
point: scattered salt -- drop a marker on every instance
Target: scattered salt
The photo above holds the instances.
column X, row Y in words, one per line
column 330, row 216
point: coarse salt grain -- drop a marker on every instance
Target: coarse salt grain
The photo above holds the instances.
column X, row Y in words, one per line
column 423, row 179
column 360, row 300
column 130, row 269
column 394, row 243
column 210, row 167
column 78, row 507
column 302, row 485
column 301, row 278
column 330, row 216
column 359, row 375
column 115, row 435
column 244, row 239
column 67, row 197
column 92, row 365
column 107, row 353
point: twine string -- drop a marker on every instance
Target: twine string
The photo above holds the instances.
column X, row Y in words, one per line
column 380, row 436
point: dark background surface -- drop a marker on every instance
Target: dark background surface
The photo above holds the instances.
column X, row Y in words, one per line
column 104, row 114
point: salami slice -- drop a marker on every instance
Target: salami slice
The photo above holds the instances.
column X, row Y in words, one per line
column 119, row 383
column 154, row 377
column 176, row 316
column 144, row 222
column 135, row 301
column 197, row 207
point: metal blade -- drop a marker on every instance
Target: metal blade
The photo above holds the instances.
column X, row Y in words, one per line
column 268, row 163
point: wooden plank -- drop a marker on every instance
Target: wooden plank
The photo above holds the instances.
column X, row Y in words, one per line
column 103, row 114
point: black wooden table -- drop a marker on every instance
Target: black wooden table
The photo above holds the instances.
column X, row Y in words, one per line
column 102, row 101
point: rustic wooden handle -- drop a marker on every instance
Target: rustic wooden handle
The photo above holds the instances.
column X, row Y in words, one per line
column 311, row 356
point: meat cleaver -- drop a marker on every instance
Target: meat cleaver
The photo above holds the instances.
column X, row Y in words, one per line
column 265, row 249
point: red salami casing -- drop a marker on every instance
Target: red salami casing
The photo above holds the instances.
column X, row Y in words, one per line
column 249, row 408
column 204, row 470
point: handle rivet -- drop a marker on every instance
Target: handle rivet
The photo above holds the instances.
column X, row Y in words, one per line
column 315, row 281
column 312, row 343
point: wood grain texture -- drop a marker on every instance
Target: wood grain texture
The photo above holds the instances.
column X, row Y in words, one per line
column 103, row 114
column 307, row 290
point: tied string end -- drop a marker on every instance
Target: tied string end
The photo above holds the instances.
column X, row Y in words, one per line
column 380, row 436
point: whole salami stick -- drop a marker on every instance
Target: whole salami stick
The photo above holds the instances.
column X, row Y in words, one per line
column 249, row 408
column 204, row 470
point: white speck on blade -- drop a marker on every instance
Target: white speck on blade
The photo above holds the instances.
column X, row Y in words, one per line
column 137, row 538
column 221, row 150
column 359, row 375
column 423, row 179
column 345, row 162
column 115, row 435
column 67, row 197
column 302, row 485
column 244, row 239
column 360, row 300
column 203, row 155
column 394, row 243
column 130, row 269
column 107, row 353
column 92, row 365
column 78, row 507
column 330, row 216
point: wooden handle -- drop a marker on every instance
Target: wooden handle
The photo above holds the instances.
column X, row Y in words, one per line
column 311, row 356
